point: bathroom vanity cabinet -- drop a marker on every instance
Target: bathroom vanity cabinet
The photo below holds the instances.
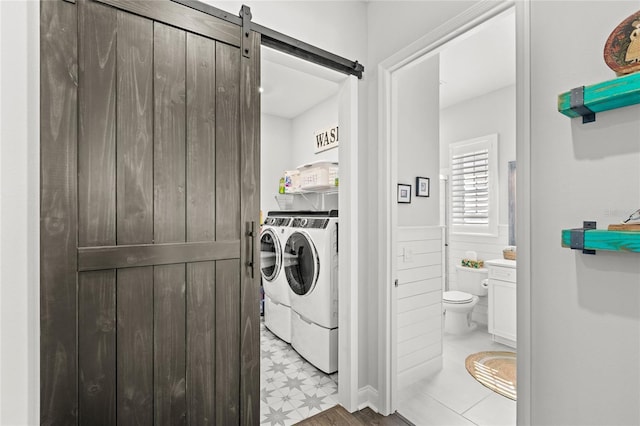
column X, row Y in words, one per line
column 502, row 300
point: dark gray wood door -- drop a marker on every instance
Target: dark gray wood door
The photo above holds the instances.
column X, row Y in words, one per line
column 149, row 191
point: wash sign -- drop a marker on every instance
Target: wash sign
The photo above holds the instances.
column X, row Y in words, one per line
column 326, row 139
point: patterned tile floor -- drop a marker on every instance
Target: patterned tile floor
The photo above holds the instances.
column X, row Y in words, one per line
column 291, row 389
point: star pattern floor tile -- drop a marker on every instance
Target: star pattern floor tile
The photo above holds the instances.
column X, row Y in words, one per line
column 291, row 389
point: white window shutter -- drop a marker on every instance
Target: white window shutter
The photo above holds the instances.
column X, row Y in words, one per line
column 474, row 185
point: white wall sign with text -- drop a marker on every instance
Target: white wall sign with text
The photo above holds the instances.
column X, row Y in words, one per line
column 326, row 139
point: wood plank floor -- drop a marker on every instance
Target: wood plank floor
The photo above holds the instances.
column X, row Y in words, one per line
column 337, row 415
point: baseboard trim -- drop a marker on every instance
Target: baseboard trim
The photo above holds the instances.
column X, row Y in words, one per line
column 368, row 397
column 504, row 341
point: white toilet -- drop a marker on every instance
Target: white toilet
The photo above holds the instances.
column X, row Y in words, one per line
column 458, row 305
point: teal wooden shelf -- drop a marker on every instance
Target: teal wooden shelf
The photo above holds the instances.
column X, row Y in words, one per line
column 600, row 239
column 617, row 93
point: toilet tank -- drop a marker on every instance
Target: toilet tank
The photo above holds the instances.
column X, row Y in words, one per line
column 470, row 280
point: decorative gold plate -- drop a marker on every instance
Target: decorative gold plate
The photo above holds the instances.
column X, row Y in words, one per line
column 622, row 50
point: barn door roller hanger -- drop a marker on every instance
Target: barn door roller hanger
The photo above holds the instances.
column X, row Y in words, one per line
column 277, row 40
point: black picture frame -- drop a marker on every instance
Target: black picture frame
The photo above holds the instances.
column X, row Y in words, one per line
column 423, row 186
column 404, row 193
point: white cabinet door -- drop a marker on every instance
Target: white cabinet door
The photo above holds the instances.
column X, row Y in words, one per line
column 502, row 301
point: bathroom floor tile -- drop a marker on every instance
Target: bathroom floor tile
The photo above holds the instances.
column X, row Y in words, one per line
column 453, row 393
column 426, row 411
column 494, row 410
column 455, row 388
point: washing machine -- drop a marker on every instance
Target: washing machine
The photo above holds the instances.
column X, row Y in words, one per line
column 277, row 301
column 310, row 264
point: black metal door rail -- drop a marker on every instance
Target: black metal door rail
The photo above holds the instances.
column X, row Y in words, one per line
column 279, row 41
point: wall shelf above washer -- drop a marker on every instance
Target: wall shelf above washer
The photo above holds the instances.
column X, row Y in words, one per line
column 315, row 198
column 586, row 101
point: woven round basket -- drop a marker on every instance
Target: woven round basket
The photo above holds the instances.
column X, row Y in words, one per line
column 509, row 254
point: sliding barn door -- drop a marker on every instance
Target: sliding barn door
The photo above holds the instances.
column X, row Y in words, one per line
column 149, row 195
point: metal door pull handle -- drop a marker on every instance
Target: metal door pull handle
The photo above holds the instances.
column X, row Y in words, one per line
column 251, row 232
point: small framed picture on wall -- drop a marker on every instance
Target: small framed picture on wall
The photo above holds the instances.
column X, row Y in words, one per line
column 404, row 193
column 422, row 187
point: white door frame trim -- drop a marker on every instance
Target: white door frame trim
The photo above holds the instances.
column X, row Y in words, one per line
column 523, row 203
column 387, row 220
column 348, row 246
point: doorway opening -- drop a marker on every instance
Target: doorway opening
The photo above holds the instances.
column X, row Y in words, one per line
column 304, row 108
column 407, row 356
column 473, row 214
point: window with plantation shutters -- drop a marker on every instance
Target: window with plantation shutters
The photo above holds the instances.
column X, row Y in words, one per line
column 470, row 188
column 473, row 185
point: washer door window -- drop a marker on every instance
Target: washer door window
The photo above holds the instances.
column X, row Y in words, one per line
column 301, row 265
column 270, row 256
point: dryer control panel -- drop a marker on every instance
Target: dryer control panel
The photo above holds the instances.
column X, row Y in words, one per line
column 309, row 223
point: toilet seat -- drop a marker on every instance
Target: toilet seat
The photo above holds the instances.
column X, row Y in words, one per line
column 454, row 296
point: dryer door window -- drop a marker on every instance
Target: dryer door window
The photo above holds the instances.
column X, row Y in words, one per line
column 270, row 256
column 301, row 263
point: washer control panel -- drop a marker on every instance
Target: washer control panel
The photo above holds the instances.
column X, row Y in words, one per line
column 277, row 221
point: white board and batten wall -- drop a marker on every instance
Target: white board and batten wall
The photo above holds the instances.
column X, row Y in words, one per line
column 419, row 302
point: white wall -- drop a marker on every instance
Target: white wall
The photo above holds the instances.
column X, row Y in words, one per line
column 585, row 310
column 490, row 113
column 320, row 117
column 19, row 213
column 393, row 25
column 494, row 112
column 417, row 99
column 276, row 157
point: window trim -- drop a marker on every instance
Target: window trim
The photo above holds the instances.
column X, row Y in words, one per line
column 489, row 142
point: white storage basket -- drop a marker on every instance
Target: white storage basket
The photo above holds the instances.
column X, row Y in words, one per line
column 318, row 176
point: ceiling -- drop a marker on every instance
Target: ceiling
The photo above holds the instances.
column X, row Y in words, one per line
column 291, row 86
column 478, row 62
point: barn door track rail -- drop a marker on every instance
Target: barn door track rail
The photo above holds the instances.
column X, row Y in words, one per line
column 277, row 40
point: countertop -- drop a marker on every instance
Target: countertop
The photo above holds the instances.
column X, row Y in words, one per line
column 501, row 262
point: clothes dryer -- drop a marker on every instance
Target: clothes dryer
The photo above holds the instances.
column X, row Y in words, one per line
column 277, row 301
column 310, row 265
